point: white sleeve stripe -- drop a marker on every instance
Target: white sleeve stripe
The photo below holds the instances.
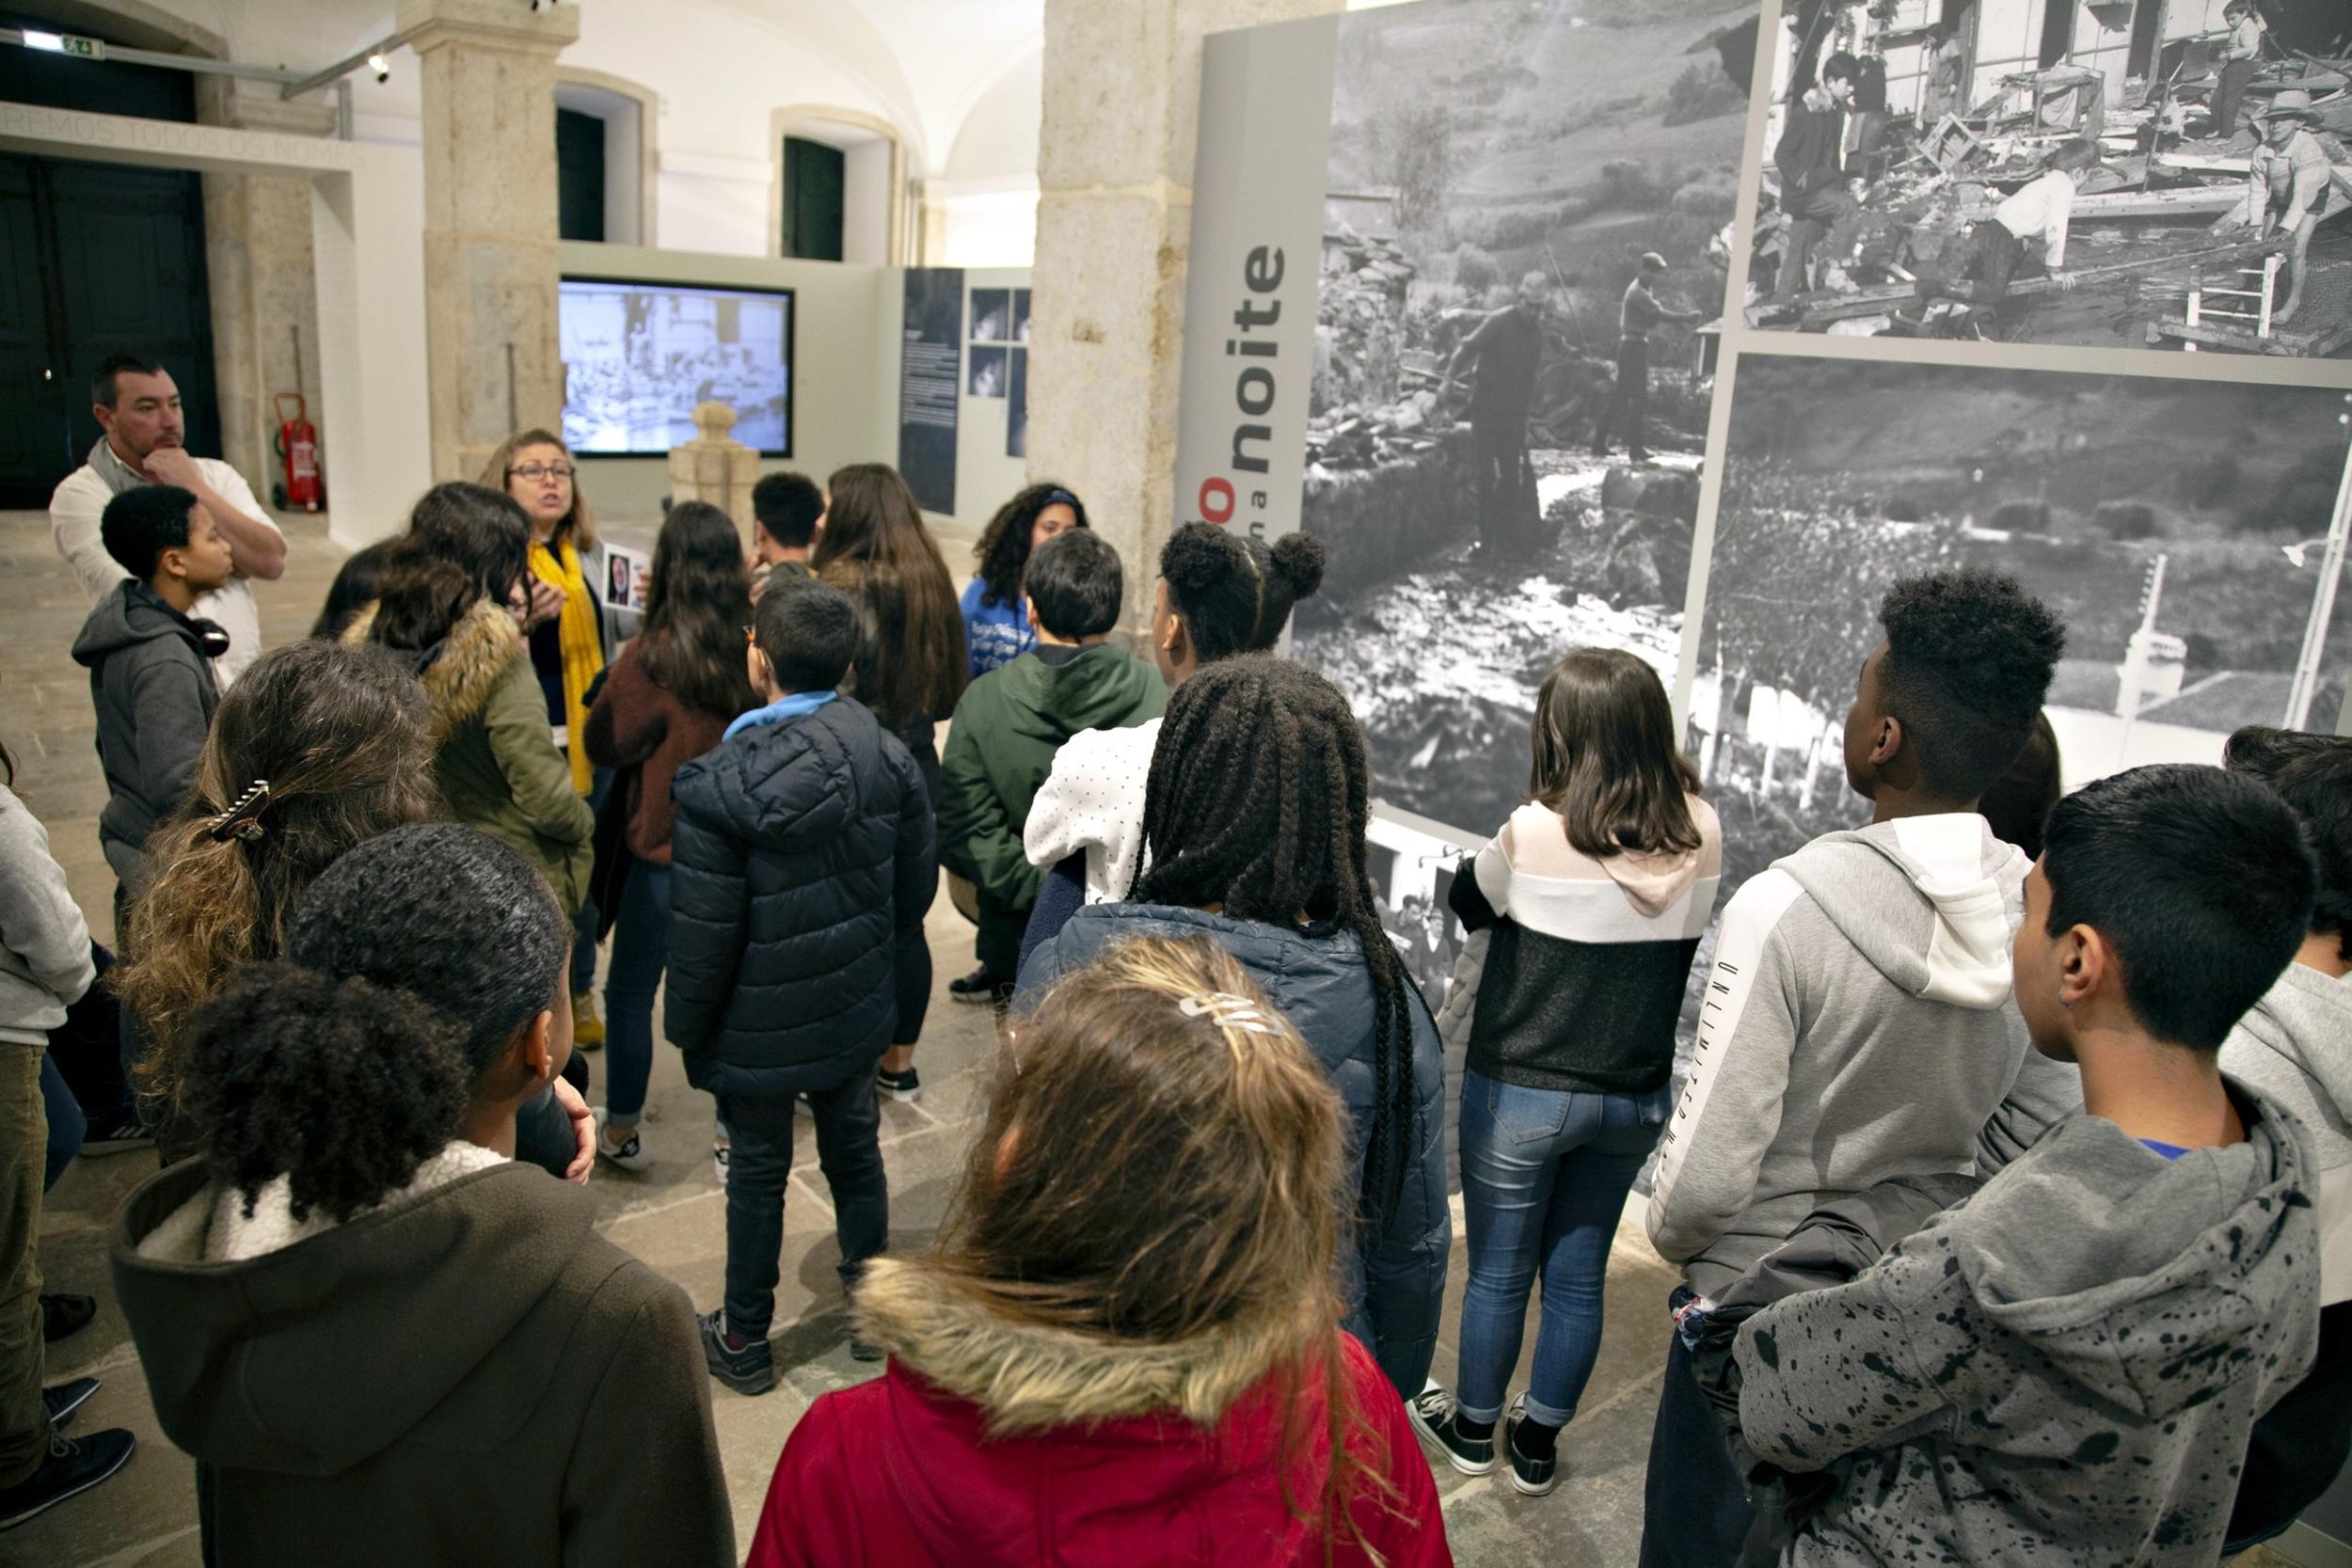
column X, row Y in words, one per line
column 1748, row 922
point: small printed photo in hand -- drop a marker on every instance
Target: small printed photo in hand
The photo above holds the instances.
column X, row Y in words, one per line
column 987, row 375
column 1020, row 315
column 991, row 315
column 624, row 569
column 2152, row 177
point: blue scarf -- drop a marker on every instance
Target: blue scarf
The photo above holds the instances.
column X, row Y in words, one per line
column 794, row 705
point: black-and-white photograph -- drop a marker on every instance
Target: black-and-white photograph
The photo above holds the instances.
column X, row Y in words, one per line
column 991, row 315
column 1017, row 403
column 1524, row 226
column 1020, row 315
column 985, row 374
column 2180, row 529
column 2162, row 174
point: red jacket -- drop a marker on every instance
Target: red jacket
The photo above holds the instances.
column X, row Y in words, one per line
column 895, row 1473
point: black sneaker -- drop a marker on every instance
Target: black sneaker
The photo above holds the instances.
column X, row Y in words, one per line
column 74, row 1465
column 120, row 1137
column 905, row 1087
column 1431, row 1411
column 62, row 1314
column 982, row 985
column 67, row 1398
column 1530, row 1478
column 746, row 1366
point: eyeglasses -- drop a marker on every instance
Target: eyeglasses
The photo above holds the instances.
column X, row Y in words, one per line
column 537, row 471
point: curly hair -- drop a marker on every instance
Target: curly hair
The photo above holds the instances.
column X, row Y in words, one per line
column 1233, row 590
column 341, row 1086
column 1257, row 802
column 700, row 599
column 2312, row 773
column 339, row 734
column 448, row 915
column 1003, row 552
column 1968, row 662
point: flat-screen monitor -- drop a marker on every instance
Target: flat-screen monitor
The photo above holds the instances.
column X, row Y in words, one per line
column 638, row 356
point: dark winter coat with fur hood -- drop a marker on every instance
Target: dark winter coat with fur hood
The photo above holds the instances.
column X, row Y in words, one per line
column 990, row 1443
column 493, row 754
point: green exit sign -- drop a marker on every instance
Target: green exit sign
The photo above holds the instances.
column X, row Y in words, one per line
column 88, row 49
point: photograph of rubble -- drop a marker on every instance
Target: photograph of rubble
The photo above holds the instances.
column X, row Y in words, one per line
column 1523, row 249
column 2181, row 527
column 2161, row 174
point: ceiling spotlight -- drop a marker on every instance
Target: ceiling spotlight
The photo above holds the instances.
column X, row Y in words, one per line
column 382, row 66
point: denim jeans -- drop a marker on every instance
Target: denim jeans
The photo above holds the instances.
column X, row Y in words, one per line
column 848, row 1148
column 1695, row 1512
column 584, row 923
column 640, row 948
column 1544, row 1178
column 67, row 1126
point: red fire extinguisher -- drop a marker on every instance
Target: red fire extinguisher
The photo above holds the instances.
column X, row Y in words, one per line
column 298, row 449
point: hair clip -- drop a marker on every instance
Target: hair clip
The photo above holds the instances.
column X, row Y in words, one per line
column 243, row 818
column 1227, row 1011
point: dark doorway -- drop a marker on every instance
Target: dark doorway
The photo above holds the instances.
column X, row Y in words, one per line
column 815, row 175
column 2147, row 34
column 2058, row 33
column 101, row 259
column 578, row 175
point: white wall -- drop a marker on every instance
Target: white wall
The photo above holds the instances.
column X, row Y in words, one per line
column 866, row 202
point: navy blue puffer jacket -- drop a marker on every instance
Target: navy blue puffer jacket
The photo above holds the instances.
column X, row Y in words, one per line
column 1396, row 1280
column 801, row 867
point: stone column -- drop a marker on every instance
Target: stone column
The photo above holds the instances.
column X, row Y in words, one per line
column 714, row 467
column 265, row 283
column 488, row 70
column 1114, row 220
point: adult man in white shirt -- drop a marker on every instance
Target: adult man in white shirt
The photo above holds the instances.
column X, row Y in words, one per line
column 2286, row 187
column 138, row 407
column 2031, row 223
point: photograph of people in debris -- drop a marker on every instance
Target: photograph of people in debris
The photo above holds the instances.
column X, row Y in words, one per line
column 1523, row 244
column 2178, row 527
column 2162, row 174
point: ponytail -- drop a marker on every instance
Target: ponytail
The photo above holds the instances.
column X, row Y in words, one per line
column 343, row 1087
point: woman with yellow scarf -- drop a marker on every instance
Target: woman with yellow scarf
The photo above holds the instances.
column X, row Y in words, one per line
column 572, row 634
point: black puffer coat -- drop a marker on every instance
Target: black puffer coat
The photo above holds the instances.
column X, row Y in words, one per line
column 801, row 866
column 1396, row 1280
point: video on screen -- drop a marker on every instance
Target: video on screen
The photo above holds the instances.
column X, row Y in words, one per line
column 638, row 358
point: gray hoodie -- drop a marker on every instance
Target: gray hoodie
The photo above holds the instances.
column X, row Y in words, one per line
column 2062, row 1370
column 45, row 961
column 2295, row 1046
column 1855, row 1029
column 152, row 683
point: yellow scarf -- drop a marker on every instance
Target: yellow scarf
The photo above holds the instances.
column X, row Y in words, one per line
column 557, row 564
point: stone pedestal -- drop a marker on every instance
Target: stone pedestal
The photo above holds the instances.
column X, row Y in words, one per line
column 1114, row 220
column 716, row 467
column 487, row 73
column 264, row 279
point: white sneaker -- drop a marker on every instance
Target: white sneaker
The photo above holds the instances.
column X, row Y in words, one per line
column 721, row 1147
column 628, row 1153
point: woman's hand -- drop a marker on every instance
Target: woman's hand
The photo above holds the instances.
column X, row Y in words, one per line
column 546, row 603
column 583, row 1131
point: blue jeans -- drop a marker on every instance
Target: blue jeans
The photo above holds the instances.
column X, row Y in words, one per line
column 1544, row 1178
column 585, row 922
column 640, row 949
column 67, row 1127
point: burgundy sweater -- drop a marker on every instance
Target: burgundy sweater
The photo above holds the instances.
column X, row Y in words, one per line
column 640, row 725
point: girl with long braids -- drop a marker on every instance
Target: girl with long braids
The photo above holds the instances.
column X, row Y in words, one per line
column 1253, row 830
column 1220, row 594
column 381, row 1338
column 1124, row 1345
column 669, row 699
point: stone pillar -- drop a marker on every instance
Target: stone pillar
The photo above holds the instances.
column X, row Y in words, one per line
column 263, row 281
column 714, row 467
column 487, row 72
column 1114, row 220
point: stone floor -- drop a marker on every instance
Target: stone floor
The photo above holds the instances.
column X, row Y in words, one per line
column 671, row 1216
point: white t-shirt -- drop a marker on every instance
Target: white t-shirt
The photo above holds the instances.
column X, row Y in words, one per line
column 1093, row 800
column 2041, row 210
column 74, row 510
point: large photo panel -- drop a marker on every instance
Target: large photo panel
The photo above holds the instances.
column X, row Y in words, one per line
column 2164, row 175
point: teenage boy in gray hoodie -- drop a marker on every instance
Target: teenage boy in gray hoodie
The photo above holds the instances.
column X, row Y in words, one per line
column 2295, row 1046
column 1855, row 1027
column 150, row 665
column 2064, row 1367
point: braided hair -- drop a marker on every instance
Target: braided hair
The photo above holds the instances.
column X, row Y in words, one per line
column 1257, row 802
